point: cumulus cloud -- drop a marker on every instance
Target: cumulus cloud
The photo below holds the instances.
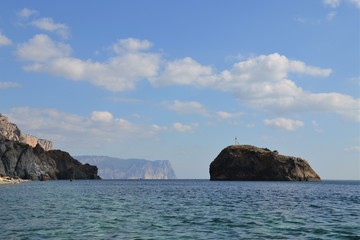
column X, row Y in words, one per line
column 284, row 123
column 131, row 45
column 66, row 129
column 263, row 82
column 4, row 85
column 266, row 76
column 332, row 3
column 26, row 13
column 42, row 49
column 48, row 24
column 117, row 73
column 101, row 116
column 185, row 72
column 337, row 3
column 4, row 40
column 184, row 127
column 45, row 23
column 189, row 107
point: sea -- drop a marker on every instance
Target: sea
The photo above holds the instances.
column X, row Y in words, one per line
column 180, row 209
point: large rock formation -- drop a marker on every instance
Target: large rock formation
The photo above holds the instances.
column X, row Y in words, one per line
column 245, row 162
column 115, row 168
column 18, row 159
column 12, row 132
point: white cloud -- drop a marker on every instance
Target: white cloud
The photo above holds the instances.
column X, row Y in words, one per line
column 26, row 13
column 49, row 25
column 356, row 3
column 184, row 127
column 265, row 76
column 227, row 115
column 189, row 107
column 101, row 116
column 337, row 3
column 117, row 73
column 284, row 123
column 96, row 130
column 131, row 45
column 263, row 82
column 332, row 3
column 355, row 149
column 4, row 40
column 42, row 49
column 45, row 23
column 185, row 72
column 157, row 128
column 4, row 85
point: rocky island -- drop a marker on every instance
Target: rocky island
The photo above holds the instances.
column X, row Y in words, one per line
column 246, row 162
column 26, row 157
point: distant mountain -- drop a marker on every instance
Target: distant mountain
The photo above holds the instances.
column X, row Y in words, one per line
column 116, row 168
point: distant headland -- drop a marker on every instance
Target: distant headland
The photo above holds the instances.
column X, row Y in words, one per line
column 246, row 162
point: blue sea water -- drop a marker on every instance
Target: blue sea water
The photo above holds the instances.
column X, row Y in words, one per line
column 180, row 209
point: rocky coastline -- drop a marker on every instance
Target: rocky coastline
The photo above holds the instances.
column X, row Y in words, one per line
column 20, row 159
column 5, row 180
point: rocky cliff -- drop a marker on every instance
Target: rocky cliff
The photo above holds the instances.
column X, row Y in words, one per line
column 245, row 162
column 12, row 132
column 115, row 168
column 18, row 159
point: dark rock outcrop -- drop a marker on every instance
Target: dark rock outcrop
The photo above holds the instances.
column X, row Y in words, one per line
column 245, row 162
column 19, row 158
column 116, row 168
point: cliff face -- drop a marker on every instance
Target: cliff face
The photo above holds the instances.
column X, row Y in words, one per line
column 23, row 161
column 115, row 168
column 20, row 159
column 245, row 162
column 12, row 132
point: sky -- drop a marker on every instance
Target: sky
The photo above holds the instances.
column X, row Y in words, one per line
column 180, row 80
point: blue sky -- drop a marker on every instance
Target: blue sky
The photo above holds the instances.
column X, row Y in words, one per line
column 179, row 80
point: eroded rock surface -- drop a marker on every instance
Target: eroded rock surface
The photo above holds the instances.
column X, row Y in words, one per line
column 27, row 157
column 12, row 132
column 245, row 162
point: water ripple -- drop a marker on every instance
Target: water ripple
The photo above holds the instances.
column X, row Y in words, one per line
column 180, row 210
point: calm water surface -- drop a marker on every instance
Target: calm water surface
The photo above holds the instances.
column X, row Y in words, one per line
column 180, row 209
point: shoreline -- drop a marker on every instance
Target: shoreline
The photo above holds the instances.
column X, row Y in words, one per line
column 9, row 180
